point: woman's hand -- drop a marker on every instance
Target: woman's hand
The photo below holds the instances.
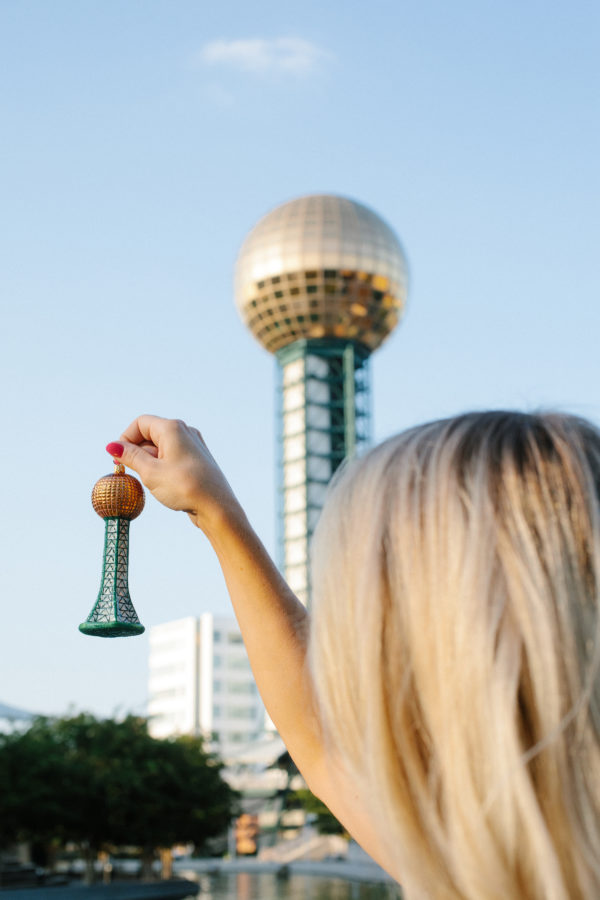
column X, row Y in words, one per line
column 177, row 467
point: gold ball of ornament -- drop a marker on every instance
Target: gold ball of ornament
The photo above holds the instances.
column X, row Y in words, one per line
column 118, row 496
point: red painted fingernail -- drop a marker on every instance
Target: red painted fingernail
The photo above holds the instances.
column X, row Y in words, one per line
column 115, row 449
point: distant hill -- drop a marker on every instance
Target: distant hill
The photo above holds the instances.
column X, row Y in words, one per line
column 14, row 714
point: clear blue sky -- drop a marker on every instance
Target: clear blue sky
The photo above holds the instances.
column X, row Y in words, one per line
column 141, row 140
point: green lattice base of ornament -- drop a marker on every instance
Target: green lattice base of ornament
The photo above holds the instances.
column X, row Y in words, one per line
column 113, row 614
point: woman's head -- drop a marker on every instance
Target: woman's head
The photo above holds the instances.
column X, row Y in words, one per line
column 456, row 650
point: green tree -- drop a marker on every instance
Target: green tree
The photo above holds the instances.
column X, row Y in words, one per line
column 32, row 771
column 103, row 782
column 325, row 821
column 303, row 798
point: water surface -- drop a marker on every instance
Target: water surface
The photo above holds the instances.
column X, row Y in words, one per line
column 268, row 886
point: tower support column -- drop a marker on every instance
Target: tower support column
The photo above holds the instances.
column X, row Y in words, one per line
column 323, row 417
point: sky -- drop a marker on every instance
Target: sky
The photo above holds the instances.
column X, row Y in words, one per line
column 141, row 140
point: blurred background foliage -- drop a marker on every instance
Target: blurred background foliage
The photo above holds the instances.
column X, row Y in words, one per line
column 101, row 783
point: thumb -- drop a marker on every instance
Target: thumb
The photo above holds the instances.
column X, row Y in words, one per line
column 141, row 459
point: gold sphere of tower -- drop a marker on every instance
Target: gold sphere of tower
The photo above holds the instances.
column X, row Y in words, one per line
column 321, row 266
column 118, row 496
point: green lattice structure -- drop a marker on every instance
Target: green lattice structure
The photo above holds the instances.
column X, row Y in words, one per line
column 113, row 614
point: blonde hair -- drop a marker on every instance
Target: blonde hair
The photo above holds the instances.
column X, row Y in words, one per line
column 455, row 652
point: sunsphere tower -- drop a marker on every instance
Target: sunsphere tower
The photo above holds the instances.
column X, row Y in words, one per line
column 320, row 282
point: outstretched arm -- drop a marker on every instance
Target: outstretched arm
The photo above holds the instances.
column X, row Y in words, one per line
column 176, row 466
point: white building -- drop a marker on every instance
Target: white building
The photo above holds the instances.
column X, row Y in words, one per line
column 200, row 682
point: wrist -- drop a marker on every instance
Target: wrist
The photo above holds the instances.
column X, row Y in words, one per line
column 220, row 519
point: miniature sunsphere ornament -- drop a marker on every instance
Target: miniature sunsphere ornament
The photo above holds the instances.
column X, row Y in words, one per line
column 118, row 498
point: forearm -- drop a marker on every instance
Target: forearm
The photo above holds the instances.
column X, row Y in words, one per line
column 274, row 625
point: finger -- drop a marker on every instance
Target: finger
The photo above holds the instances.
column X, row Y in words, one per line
column 142, row 459
column 115, row 448
column 149, row 448
column 145, row 429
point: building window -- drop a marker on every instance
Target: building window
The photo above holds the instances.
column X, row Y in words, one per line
column 234, row 638
column 241, row 662
column 241, row 687
column 166, row 693
column 240, row 712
